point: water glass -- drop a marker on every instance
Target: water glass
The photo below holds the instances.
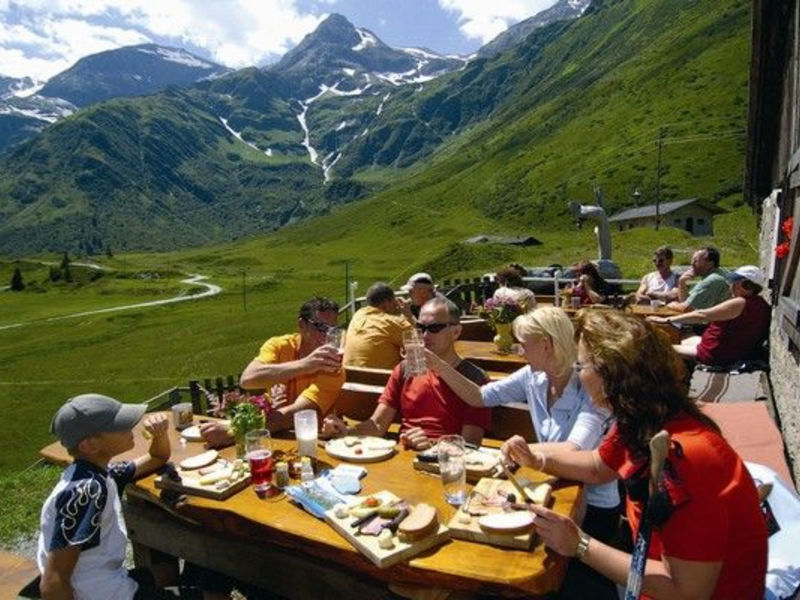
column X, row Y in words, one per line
column 305, row 430
column 258, row 450
column 450, row 450
column 182, row 415
column 414, row 347
column 576, row 302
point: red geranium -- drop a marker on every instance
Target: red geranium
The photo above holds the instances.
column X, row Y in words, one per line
column 787, row 228
column 782, row 250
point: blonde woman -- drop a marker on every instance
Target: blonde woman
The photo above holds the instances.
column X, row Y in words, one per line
column 563, row 417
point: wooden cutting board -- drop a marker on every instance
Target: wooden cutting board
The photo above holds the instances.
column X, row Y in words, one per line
column 493, row 490
column 368, row 544
column 480, row 463
column 190, row 485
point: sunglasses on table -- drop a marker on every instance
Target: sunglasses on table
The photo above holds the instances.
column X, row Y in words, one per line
column 432, row 327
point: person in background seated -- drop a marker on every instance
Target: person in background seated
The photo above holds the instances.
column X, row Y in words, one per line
column 563, row 417
column 420, row 289
column 428, row 407
column 310, row 370
column 591, row 288
column 661, row 284
column 712, row 288
column 375, row 335
column 512, row 288
column 82, row 536
column 709, row 538
column 739, row 326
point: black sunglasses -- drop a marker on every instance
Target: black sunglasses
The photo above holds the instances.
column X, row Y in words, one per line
column 319, row 325
column 432, row 327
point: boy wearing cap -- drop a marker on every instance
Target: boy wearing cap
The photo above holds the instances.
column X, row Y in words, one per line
column 82, row 535
column 738, row 327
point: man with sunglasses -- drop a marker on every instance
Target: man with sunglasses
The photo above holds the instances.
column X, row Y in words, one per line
column 661, row 284
column 428, row 407
column 311, row 371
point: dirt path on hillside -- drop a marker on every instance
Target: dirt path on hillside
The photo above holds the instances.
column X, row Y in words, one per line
column 197, row 280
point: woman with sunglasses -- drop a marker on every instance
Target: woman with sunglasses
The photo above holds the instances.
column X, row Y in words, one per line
column 563, row 418
column 709, row 537
column 661, row 284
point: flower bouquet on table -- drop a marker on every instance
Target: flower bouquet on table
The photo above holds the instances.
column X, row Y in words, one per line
column 500, row 314
column 245, row 412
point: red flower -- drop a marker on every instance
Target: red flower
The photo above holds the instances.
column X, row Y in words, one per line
column 788, row 226
column 782, row 250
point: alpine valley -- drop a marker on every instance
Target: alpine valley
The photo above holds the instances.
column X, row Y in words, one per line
column 152, row 148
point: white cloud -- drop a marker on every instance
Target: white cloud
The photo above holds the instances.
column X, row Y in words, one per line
column 484, row 20
column 46, row 36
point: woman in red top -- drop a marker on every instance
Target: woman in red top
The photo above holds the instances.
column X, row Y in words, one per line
column 591, row 288
column 711, row 539
column 738, row 328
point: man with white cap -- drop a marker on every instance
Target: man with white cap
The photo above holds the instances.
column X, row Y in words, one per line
column 738, row 327
column 420, row 289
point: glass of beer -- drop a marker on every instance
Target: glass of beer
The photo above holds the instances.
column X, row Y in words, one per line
column 258, row 448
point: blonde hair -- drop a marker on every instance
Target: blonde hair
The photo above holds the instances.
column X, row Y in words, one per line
column 548, row 321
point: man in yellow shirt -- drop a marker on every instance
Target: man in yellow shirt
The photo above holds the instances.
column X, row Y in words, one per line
column 375, row 335
column 310, row 370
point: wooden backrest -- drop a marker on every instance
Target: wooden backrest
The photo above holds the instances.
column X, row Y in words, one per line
column 476, row 330
column 512, row 419
column 357, row 400
column 367, row 375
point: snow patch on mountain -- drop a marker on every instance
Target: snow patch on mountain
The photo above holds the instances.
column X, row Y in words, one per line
column 239, row 137
column 327, row 164
column 367, row 40
column 342, row 125
column 312, row 154
column 41, row 108
column 380, row 106
column 178, row 56
column 348, row 72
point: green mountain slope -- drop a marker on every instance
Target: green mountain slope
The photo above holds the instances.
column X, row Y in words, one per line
column 510, row 139
column 155, row 173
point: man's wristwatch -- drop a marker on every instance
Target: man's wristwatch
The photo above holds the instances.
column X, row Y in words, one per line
column 583, row 545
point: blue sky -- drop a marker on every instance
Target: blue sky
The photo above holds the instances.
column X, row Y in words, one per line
column 40, row 38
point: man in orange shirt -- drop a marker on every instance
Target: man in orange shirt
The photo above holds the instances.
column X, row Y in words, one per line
column 310, row 370
column 375, row 335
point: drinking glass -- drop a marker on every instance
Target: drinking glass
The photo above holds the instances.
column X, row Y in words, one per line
column 258, row 449
column 182, row 415
column 414, row 347
column 305, row 430
column 335, row 338
column 576, row 302
column 450, row 450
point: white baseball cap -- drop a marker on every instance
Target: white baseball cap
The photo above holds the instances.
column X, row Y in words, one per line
column 750, row 272
column 418, row 278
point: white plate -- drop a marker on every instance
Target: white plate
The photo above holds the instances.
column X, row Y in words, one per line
column 192, row 434
column 200, row 460
column 373, row 449
column 510, row 522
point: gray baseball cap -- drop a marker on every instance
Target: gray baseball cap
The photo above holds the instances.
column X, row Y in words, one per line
column 89, row 414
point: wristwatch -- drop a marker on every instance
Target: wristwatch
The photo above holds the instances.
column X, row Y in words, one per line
column 583, row 544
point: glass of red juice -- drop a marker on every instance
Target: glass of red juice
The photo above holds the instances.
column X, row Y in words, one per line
column 258, row 448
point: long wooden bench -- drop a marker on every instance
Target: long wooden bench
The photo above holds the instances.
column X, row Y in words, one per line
column 19, row 576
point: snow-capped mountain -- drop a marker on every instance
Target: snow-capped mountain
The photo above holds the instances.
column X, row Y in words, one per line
column 339, row 55
column 129, row 71
column 562, row 10
column 13, row 87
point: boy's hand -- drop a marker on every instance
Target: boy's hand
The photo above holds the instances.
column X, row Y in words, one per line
column 156, row 424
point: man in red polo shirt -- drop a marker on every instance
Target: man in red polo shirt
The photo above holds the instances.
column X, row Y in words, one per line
column 428, row 407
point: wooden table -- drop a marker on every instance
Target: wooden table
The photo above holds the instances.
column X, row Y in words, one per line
column 486, row 356
column 277, row 546
column 645, row 310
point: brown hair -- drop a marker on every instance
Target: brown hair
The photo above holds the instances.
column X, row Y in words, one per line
column 509, row 276
column 643, row 376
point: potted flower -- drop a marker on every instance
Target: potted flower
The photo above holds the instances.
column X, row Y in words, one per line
column 500, row 314
column 246, row 413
